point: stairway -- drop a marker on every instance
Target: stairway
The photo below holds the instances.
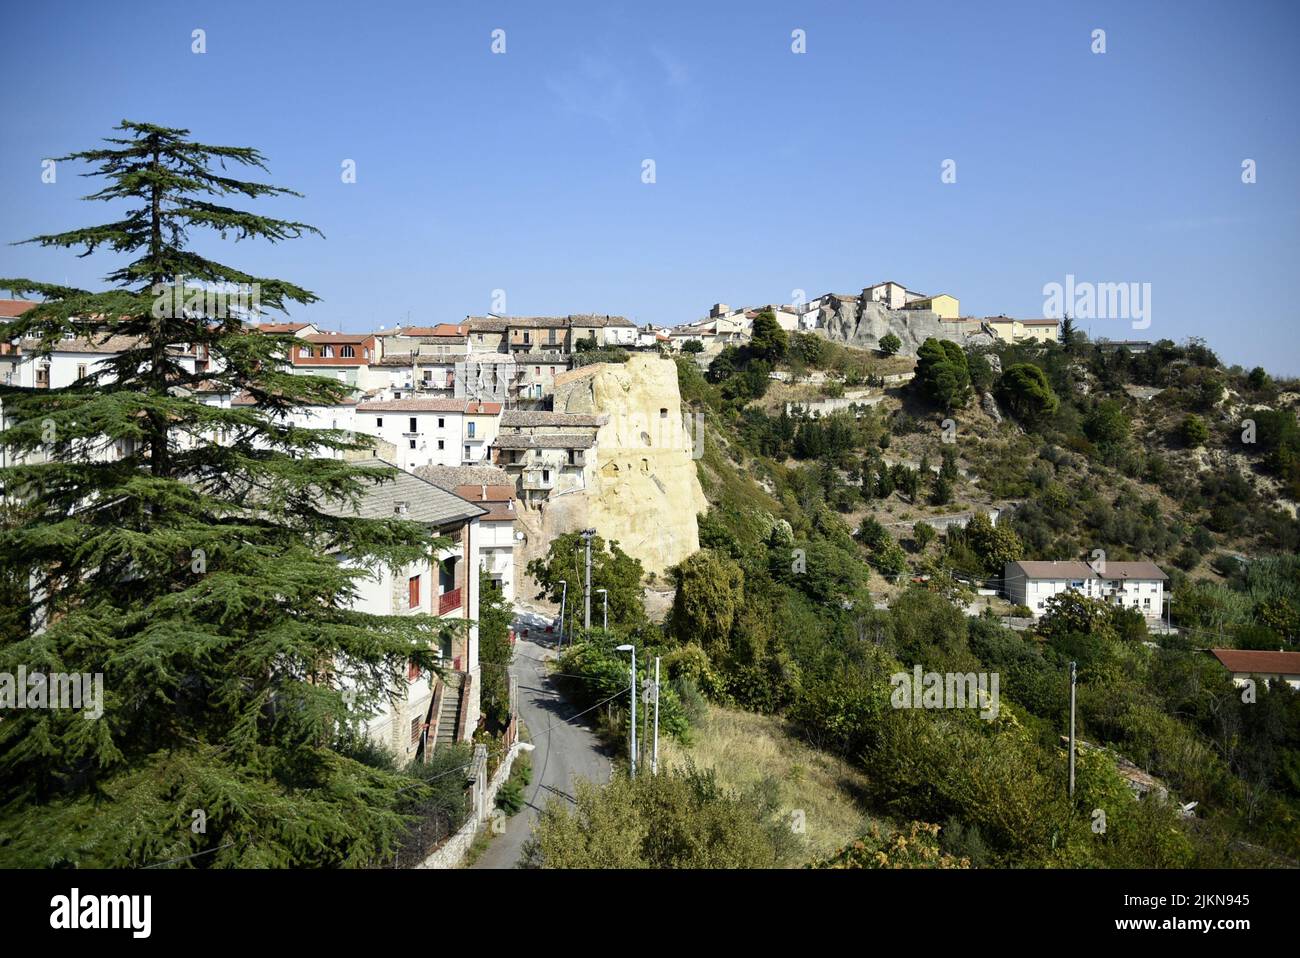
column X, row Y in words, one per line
column 450, row 710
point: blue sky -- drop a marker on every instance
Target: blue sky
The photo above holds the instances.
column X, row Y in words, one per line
column 775, row 171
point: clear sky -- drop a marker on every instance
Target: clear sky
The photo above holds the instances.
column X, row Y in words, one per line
column 775, row 171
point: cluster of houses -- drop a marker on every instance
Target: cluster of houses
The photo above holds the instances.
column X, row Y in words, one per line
column 462, row 410
column 725, row 326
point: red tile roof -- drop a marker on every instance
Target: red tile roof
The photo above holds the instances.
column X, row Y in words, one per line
column 9, row 308
column 1258, row 662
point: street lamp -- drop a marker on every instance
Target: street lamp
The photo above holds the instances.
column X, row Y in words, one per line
column 605, row 615
column 632, row 689
column 563, row 598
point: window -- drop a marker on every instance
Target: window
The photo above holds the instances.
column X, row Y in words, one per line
column 442, row 444
column 379, row 422
column 412, row 671
column 81, row 370
column 550, row 337
column 546, row 475
column 328, row 352
column 413, row 425
column 663, row 412
column 412, row 442
column 469, row 427
column 441, row 422
column 347, row 352
column 413, row 592
column 467, row 453
column 415, row 731
column 537, row 370
column 480, row 337
column 306, row 352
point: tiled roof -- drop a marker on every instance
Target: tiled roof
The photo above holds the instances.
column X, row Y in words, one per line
column 449, row 477
column 418, row 404
column 89, row 344
column 280, row 328
column 528, row 417
column 425, row 502
column 421, row 359
column 501, row 323
column 442, row 329
column 327, row 339
column 1073, row 569
column 486, row 324
column 9, row 308
column 1258, row 662
column 554, row 440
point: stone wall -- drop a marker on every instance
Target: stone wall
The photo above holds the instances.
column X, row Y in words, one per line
column 484, row 796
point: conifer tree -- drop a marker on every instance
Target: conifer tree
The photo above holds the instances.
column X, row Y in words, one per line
column 197, row 568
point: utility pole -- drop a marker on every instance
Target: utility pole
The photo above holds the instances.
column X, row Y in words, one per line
column 564, row 596
column 633, row 688
column 1073, row 678
column 586, row 592
column 654, row 756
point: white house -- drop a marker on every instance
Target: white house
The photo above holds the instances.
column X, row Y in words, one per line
column 426, row 709
column 432, row 431
column 1248, row 664
column 1137, row 585
column 492, row 489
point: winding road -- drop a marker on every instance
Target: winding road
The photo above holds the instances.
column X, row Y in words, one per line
column 565, row 750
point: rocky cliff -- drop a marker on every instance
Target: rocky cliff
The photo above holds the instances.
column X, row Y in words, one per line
column 644, row 492
column 863, row 322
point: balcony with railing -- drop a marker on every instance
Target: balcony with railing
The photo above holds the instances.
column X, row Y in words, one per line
column 449, row 601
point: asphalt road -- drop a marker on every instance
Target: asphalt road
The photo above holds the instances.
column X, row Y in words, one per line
column 565, row 750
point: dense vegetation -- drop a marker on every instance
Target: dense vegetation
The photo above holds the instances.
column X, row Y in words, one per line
column 776, row 613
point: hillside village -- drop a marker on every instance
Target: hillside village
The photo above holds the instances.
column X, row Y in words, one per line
column 481, row 415
column 786, row 506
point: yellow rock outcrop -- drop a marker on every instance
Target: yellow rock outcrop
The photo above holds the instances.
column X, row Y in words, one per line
column 644, row 492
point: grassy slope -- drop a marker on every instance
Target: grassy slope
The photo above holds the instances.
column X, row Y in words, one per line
column 746, row 750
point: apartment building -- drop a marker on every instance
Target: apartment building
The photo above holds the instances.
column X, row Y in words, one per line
column 1136, row 585
column 431, row 431
column 425, row 707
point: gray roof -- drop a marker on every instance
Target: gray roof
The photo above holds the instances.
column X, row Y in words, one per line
column 500, row 323
column 449, row 477
column 527, row 417
column 553, row 440
column 425, row 502
column 1073, row 569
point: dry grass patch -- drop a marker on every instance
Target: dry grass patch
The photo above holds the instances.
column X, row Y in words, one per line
column 745, row 750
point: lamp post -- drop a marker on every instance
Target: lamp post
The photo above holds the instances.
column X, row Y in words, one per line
column 632, row 689
column 604, row 620
column 564, row 596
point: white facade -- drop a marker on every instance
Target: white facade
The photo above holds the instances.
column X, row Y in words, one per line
column 429, row 436
column 1135, row 585
column 399, row 724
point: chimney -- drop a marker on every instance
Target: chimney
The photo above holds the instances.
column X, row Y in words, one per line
column 484, row 499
